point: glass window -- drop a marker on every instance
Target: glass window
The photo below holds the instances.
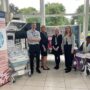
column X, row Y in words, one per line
column 57, row 20
column 33, row 19
column 57, row 7
column 23, row 4
column 70, row 6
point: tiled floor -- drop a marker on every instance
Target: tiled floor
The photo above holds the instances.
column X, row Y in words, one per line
column 51, row 80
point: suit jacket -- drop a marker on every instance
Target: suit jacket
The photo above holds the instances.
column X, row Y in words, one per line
column 44, row 39
column 56, row 42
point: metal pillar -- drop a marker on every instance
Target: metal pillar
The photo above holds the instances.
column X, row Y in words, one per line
column 0, row 5
column 42, row 12
column 5, row 8
column 5, row 5
column 86, row 18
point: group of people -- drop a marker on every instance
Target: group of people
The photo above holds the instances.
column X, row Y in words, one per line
column 61, row 44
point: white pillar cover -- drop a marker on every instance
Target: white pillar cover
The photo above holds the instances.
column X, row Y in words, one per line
column 86, row 18
column 42, row 12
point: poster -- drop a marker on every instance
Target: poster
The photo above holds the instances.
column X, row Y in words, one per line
column 4, row 71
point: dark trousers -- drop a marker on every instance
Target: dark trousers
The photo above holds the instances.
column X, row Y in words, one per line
column 57, row 55
column 57, row 60
column 34, row 51
column 68, row 56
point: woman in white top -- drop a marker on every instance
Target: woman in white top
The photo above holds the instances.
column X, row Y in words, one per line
column 69, row 43
column 85, row 47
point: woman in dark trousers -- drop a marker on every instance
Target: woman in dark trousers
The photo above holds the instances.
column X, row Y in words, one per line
column 69, row 43
column 56, row 47
column 44, row 47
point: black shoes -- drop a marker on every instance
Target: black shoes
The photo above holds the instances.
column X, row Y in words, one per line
column 45, row 68
column 67, row 70
column 38, row 71
column 30, row 73
column 56, row 67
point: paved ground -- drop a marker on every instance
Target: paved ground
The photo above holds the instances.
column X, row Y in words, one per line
column 51, row 80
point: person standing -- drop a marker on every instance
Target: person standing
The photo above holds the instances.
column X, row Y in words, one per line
column 33, row 37
column 69, row 44
column 44, row 47
column 56, row 47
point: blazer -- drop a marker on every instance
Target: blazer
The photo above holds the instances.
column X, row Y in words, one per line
column 56, row 42
column 44, row 39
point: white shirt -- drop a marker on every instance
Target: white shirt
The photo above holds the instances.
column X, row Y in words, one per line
column 69, row 40
column 33, row 34
column 86, row 48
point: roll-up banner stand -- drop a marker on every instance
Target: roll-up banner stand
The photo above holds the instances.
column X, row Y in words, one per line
column 4, row 68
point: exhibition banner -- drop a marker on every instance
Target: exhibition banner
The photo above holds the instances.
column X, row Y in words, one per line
column 4, row 69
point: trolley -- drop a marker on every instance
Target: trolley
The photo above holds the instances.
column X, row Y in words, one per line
column 18, row 62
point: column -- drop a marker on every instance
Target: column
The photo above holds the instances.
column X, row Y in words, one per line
column 42, row 12
column 0, row 5
column 86, row 18
column 5, row 8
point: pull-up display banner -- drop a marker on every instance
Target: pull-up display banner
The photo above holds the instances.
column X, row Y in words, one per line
column 4, row 69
